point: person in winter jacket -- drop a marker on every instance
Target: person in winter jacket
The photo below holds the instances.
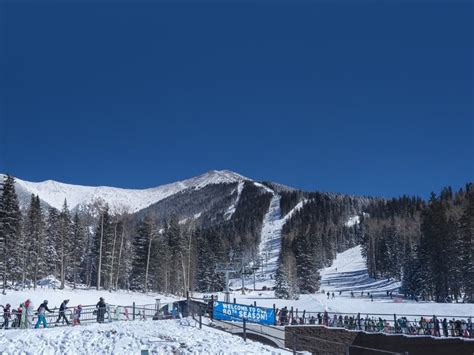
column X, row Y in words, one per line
column 62, row 310
column 27, row 314
column 19, row 316
column 6, row 315
column 41, row 314
column 101, row 307
column 77, row 315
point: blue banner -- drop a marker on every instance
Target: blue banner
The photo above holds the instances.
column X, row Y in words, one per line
column 237, row 312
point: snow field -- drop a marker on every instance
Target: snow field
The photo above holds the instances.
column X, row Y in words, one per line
column 159, row 337
column 81, row 296
column 349, row 273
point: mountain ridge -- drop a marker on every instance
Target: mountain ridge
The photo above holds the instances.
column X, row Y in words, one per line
column 78, row 197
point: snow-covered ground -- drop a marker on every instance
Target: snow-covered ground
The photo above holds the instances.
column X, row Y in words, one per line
column 81, row 296
column 163, row 337
column 119, row 200
column 349, row 273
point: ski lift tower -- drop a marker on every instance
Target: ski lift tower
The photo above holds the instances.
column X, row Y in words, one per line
column 227, row 268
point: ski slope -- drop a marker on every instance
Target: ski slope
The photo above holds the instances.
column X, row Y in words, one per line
column 270, row 244
column 349, row 273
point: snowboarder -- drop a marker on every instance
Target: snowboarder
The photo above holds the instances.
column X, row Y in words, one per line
column 62, row 310
column 6, row 315
column 41, row 314
column 101, row 306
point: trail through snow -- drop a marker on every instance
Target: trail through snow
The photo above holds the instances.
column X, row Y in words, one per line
column 270, row 244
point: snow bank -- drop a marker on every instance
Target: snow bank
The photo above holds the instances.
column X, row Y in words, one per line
column 169, row 336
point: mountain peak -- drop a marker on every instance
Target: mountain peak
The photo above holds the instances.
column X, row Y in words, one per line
column 132, row 200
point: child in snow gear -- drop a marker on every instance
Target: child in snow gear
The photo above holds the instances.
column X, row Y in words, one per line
column 77, row 315
column 62, row 310
column 101, row 306
column 6, row 315
column 41, row 314
column 27, row 315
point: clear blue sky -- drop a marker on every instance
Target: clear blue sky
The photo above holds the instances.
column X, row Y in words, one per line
column 367, row 99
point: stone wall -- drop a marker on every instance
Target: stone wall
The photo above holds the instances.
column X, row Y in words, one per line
column 328, row 341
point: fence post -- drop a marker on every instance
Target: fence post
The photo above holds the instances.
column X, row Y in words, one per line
column 200, row 320
column 395, row 322
column 255, row 303
column 275, row 313
column 294, row 341
column 358, row 321
column 133, row 310
column 245, row 329
column 235, row 301
column 211, row 315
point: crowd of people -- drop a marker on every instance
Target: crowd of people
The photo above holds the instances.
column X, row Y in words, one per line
column 424, row 326
column 25, row 315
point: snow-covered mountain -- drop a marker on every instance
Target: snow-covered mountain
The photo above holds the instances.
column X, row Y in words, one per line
column 130, row 200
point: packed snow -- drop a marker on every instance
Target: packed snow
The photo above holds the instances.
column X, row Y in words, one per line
column 164, row 336
column 119, row 200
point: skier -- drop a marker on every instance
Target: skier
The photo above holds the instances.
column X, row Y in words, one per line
column 371, row 298
column 332, row 295
column 328, row 295
column 41, row 314
column 77, row 315
column 62, row 310
column 101, row 306
column 6, row 315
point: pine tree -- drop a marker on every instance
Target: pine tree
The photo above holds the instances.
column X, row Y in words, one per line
column 64, row 242
column 77, row 249
column 142, row 245
column 10, row 232
column 102, row 249
column 51, row 242
column 35, row 237
column 467, row 248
